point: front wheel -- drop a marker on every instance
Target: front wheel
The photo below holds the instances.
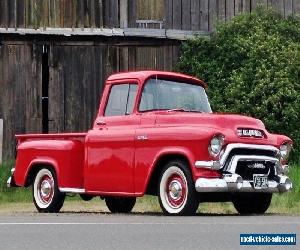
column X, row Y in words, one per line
column 176, row 190
column 251, row 203
column 46, row 196
column 120, row 204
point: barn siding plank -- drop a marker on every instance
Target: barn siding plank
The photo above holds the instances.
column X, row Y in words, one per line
column 68, row 13
column 204, row 15
column 296, row 7
column 186, row 15
column 114, row 13
column 246, row 5
column 80, row 14
column 229, row 9
column 132, row 13
column 168, row 14
column 274, row 4
column 213, row 14
column 4, row 13
column 98, row 13
column 177, row 14
column 238, row 7
column 124, row 14
column 288, row 8
column 195, row 15
column 11, row 10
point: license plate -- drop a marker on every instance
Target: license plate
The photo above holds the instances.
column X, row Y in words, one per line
column 260, row 181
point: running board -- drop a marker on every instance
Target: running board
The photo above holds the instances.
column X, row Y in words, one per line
column 72, row 190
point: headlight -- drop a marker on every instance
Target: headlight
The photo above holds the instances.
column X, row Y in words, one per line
column 216, row 145
column 285, row 150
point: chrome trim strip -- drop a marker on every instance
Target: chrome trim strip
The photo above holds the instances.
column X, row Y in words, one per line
column 72, row 190
column 235, row 159
column 232, row 146
column 215, row 165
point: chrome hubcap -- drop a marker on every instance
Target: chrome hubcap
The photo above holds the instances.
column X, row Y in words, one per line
column 45, row 188
column 175, row 189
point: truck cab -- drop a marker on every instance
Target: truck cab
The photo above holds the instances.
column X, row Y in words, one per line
column 155, row 133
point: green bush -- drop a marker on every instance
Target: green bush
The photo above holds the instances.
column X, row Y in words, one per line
column 252, row 66
column 11, row 194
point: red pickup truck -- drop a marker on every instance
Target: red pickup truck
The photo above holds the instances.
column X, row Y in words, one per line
column 155, row 134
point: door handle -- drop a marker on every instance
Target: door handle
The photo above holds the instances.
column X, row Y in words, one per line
column 101, row 123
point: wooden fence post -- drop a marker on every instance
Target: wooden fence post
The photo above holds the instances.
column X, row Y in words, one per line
column 1, row 139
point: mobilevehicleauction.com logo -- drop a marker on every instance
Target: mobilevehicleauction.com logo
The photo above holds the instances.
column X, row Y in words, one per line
column 267, row 239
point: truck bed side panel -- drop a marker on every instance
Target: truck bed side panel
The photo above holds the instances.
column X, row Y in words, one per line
column 66, row 156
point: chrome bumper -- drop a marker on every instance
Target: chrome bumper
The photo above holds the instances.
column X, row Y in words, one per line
column 235, row 183
column 11, row 182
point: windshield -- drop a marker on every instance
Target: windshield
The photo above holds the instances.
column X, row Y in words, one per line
column 161, row 94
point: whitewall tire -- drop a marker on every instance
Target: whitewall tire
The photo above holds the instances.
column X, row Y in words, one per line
column 176, row 191
column 46, row 196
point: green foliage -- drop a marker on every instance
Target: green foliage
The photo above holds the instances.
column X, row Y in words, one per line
column 289, row 202
column 252, row 66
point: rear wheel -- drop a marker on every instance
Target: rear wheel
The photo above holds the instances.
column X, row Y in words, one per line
column 120, row 204
column 46, row 196
column 251, row 203
column 176, row 191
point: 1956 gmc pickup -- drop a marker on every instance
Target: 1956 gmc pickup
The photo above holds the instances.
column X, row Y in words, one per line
column 155, row 134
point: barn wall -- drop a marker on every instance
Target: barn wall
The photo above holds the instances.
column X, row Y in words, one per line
column 175, row 14
column 77, row 72
column 20, row 80
column 203, row 14
column 77, row 75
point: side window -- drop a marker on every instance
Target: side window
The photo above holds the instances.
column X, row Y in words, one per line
column 121, row 99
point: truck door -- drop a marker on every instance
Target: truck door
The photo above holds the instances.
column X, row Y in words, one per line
column 111, row 144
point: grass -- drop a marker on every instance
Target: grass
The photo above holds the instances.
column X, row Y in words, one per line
column 20, row 199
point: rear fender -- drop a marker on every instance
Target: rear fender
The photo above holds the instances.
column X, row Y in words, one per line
column 66, row 157
column 40, row 163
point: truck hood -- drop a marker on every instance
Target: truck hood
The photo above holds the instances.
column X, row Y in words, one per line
column 227, row 124
column 211, row 120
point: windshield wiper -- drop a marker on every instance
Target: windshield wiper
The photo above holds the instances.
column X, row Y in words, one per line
column 184, row 110
column 177, row 110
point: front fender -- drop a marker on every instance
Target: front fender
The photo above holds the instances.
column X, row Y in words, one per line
column 170, row 151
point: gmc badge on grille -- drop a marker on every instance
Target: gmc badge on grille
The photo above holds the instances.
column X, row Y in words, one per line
column 249, row 133
column 257, row 165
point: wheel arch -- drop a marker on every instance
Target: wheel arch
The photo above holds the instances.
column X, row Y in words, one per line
column 35, row 166
column 162, row 160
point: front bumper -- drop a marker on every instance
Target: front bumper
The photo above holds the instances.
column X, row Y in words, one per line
column 235, row 183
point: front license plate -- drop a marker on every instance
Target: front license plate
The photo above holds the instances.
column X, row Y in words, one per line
column 260, row 181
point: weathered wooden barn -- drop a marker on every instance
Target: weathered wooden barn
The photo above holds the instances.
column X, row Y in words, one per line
column 56, row 54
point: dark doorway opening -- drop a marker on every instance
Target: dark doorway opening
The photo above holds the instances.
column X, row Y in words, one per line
column 45, row 89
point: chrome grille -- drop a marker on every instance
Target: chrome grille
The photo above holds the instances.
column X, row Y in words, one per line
column 246, row 169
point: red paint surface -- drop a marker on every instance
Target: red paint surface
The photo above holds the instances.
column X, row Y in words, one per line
column 110, row 160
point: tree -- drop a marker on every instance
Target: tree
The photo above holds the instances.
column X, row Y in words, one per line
column 252, row 66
